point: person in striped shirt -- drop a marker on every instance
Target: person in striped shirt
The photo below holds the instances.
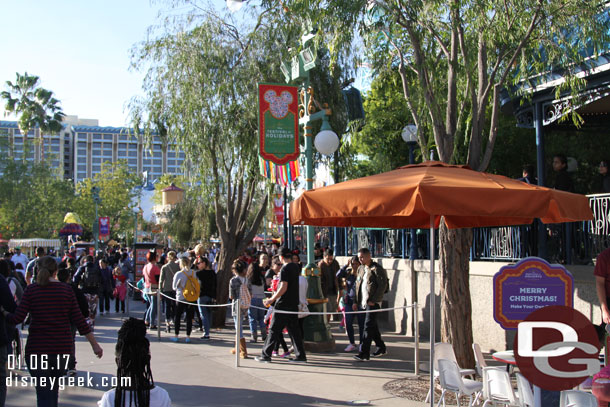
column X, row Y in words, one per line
column 52, row 306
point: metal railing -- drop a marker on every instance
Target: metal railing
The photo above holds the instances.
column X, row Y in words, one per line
column 573, row 243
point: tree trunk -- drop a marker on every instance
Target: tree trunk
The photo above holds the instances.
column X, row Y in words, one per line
column 456, row 308
column 223, row 275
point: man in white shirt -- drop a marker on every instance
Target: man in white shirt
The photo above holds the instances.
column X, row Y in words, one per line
column 20, row 258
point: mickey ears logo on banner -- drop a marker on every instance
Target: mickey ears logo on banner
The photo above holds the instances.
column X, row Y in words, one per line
column 278, row 104
column 104, row 221
column 557, row 348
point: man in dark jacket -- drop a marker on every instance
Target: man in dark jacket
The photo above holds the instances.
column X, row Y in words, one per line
column 371, row 284
column 89, row 279
column 7, row 302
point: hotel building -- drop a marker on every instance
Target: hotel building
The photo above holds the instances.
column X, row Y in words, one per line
column 79, row 150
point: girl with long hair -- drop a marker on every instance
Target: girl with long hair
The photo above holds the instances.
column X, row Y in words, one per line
column 256, row 277
column 135, row 384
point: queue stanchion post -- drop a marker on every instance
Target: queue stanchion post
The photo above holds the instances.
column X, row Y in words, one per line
column 416, row 334
column 237, row 326
column 127, row 298
column 158, row 314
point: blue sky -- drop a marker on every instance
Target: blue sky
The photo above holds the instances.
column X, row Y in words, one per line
column 80, row 49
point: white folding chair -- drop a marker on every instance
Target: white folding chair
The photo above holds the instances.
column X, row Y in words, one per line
column 526, row 395
column 451, row 380
column 443, row 350
column 576, row 398
column 497, row 388
column 479, row 359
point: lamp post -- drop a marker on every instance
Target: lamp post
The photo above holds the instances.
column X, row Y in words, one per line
column 135, row 226
column 317, row 331
column 95, row 192
column 409, row 135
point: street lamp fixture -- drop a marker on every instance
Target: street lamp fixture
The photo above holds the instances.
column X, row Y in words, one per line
column 285, row 68
column 327, row 140
column 95, row 193
column 235, row 5
column 409, row 135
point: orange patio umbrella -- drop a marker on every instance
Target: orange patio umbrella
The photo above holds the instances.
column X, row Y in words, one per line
column 417, row 196
column 409, row 196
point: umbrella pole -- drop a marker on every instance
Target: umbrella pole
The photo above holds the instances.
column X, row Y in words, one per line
column 432, row 309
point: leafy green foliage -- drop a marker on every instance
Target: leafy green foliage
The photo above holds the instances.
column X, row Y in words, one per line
column 34, row 106
column 33, row 200
column 117, row 191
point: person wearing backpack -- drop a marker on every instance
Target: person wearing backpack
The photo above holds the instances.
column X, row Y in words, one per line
column 207, row 294
column 371, row 285
column 89, row 279
column 187, row 290
column 240, row 289
column 32, row 268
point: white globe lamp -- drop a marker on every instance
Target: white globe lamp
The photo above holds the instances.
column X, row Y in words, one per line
column 235, row 5
column 409, row 133
column 326, row 141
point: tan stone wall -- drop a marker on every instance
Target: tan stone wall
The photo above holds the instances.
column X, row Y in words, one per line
column 486, row 331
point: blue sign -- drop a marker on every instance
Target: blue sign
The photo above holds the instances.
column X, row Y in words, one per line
column 529, row 285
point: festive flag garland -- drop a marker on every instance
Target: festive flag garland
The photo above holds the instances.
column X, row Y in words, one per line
column 280, row 174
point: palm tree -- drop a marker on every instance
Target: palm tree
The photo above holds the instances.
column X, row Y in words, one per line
column 34, row 106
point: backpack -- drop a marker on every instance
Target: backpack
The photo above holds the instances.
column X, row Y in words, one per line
column 92, row 278
column 245, row 298
column 18, row 289
column 34, row 270
column 191, row 288
column 382, row 278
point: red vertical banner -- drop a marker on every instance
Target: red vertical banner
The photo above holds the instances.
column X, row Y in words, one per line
column 104, row 227
column 278, row 122
column 278, row 208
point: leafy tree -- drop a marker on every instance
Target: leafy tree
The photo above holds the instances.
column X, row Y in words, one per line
column 201, row 79
column 34, row 106
column 453, row 59
column 33, row 200
column 117, row 191
column 193, row 219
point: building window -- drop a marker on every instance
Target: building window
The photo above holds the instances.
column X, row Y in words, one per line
column 132, row 161
column 108, row 137
column 133, row 153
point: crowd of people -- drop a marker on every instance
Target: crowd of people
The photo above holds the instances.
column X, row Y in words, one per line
column 57, row 297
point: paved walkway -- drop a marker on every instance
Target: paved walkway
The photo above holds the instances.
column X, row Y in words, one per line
column 204, row 374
